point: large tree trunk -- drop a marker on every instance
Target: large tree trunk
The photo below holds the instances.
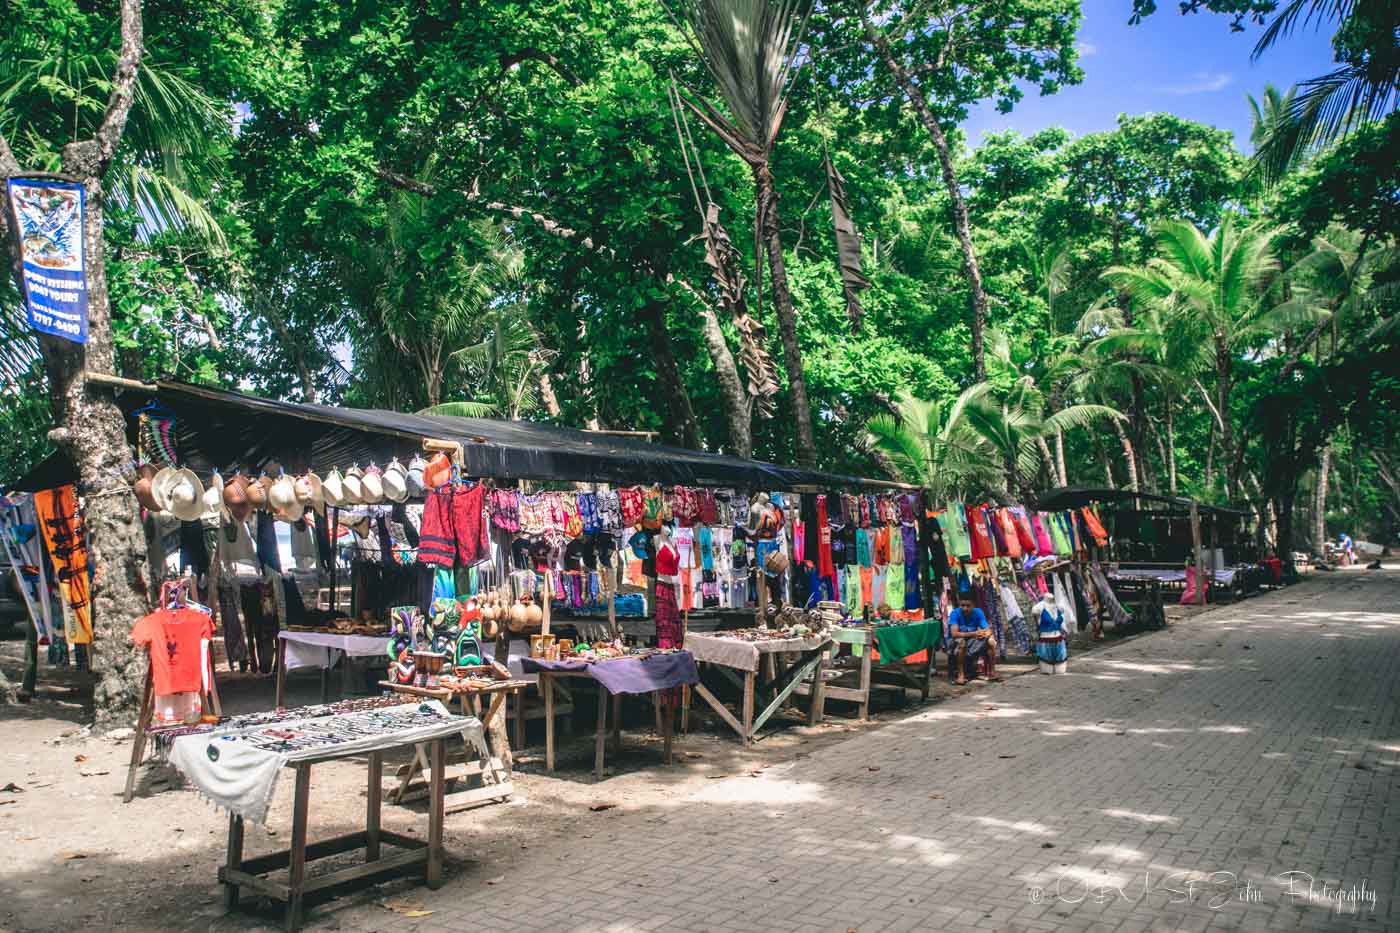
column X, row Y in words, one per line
column 1171, row 448
column 1060, row 457
column 1129, row 456
column 1324, row 465
column 1222, row 405
column 977, row 295
column 92, row 429
column 683, row 425
column 731, row 387
column 766, row 193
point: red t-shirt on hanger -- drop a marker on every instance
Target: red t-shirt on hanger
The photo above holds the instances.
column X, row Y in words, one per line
column 172, row 637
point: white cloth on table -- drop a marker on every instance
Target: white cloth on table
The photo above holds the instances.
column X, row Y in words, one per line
column 323, row 649
column 240, row 776
column 744, row 655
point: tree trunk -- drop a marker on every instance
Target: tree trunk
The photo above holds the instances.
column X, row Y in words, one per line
column 731, row 387
column 1049, row 459
column 91, row 427
column 1171, row 449
column 977, row 296
column 766, row 193
column 1210, row 456
column 1324, row 465
column 1129, row 457
column 1222, row 405
column 1060, row 457
column 684, row 428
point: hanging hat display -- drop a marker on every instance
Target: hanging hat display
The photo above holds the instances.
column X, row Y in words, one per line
column 414, row 479
column 372, row 485
column 236, row 497
column 282, row 499
column 354, row 487
column 145, row 473
column 333, row 489
column 310, row 492
column 395, row 481
column 256, row 493
column 180, row 493
column 213, row 498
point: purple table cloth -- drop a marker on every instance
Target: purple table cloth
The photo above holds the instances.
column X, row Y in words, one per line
column 626, row 675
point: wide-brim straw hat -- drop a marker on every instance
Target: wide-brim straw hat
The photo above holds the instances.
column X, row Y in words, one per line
column 282, row 495
column 214, row 498
column 372, row 486
column 414, row 478
column 310, row 492
column 395, row 481
column 354, row 488
column 180, row 493
column 333, row 489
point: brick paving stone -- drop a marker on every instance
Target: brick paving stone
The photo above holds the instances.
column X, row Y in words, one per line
column 1173, row 753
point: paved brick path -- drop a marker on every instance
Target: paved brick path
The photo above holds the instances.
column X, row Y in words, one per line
column 1254, row 741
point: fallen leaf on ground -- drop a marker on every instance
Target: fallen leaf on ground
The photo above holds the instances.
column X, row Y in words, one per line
column 599, row 807
column 70, row 856
column 1006, row 756
column 405, row 909
column 935, row 796
column 497, row 880
column 873, row 768
column 694, row 755
column 80, row 758
column 93, row 772
column 11, row 788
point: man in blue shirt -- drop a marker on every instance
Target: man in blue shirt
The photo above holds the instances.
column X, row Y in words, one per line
column 969, row 638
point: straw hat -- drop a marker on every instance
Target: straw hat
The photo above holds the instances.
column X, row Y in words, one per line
column 180, row 493
column 354, row 485
column 310, row 493
column 213, row 498
column 395, row 481
column 414, row 478
column 145, row 473
column 372, row 486
column 282, row 495
column 256, row 493
column 236, row 497
column 333, row 489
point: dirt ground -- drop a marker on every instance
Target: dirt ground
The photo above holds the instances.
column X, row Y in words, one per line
column 76, row 856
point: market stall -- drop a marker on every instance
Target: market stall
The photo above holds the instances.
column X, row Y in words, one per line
column 765, row 664
column 236, row 765
column 877, row 652
column 658, row 674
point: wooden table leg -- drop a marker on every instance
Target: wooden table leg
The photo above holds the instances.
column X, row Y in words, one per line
column 601, row 733
column 296, row 868
column 435, row 812
column 817, row 711
column 547, row 688
column 326, row 683
column 749, row 677
column 234, row 859
column 374, row 799
column 617, row 724
column 281, row 671
column 138, row 741
column 666, row 714
column 685, row 710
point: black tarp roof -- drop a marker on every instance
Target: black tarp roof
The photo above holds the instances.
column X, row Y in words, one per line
column 1073, row 497
column 217, row 429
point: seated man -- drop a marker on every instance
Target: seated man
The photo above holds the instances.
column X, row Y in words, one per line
column 970, row 638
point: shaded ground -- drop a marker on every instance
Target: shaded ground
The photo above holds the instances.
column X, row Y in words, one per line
column 1172, row 750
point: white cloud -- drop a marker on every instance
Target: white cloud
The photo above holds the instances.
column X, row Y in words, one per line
column 1086, row 49
column 1202, row 82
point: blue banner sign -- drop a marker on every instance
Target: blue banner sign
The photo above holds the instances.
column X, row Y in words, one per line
column 49, row 221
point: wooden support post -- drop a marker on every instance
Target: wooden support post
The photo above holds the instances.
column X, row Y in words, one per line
column 282, row 669
column 436, row 789
column 816, row 712
column 296, row 868
column 865, row 663
column 335, row 554
column 547, row 688
column 747, row 708
column 233, row 859
column 616, row 723
column 138, row 741
column 1196, row 547
column 546, row 591
column 666, row 714
column 374, row 797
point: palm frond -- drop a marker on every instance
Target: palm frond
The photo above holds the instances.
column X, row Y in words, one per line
column 461, row 410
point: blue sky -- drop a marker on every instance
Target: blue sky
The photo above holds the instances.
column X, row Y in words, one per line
column 1193, row 66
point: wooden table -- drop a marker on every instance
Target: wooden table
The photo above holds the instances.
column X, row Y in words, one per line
column 489, row 767
column 238, row 873
column 776, row 683
column 662, row 698
column 892, row 670
column 349, row 646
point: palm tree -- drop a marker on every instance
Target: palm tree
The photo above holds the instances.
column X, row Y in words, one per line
column 1365, row 87
column 927, row 445
column 1216, row 289
column 750, row 48
column 1014, row 425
